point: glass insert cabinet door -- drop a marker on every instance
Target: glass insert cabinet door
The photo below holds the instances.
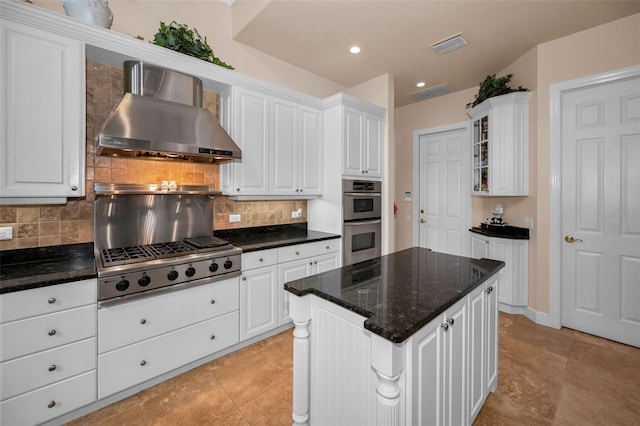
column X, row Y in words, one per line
column 480, row 160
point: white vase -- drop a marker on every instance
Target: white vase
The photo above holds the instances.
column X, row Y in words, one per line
column 94, row 12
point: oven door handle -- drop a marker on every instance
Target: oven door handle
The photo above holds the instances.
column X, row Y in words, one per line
column 363, row 194
column 363, row 222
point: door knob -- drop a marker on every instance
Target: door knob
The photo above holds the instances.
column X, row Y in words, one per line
column 422, row 221
column 570, row 239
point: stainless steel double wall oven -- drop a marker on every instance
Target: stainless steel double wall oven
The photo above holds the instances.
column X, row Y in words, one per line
column 362, row 226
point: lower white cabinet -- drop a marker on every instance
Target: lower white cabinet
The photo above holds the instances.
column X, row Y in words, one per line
column 483, row 346
column 514, row 277
column 440, row 355
column 134, row 364
column 164, row 332
column 47, row 352
column 264, row 304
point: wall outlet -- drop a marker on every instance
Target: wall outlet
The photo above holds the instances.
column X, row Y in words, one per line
column 528, row 222
column 296, row 214
column 235, row 218
column 6, row 233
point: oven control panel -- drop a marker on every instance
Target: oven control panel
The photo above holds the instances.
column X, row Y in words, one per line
column 151, row 278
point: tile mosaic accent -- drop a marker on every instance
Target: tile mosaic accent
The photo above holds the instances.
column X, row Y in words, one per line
column 45, row 225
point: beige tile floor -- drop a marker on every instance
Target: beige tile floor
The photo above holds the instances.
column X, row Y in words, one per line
column 546, row 377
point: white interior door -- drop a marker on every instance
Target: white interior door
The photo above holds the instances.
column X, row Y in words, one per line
column 601, row 210
column 444, row 186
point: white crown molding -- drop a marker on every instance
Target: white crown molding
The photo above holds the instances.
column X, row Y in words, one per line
column 345, row 99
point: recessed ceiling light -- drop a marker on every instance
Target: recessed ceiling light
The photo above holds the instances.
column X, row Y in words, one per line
column 420, row 84
column 354, row 49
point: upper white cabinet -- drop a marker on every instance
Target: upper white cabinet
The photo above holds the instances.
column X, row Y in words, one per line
column 296, row 149
column 501, row 145
column 251, row 133
column 281, row 143
column 362, row 147
column 42, row 95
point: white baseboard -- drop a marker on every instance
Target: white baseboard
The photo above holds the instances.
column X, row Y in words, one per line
column 541, row 318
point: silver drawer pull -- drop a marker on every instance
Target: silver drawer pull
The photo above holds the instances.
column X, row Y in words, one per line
column 315, row 262
column 52, row 332
column 261, row 260
column 450, row 321
column 297, row 253
column 52, row 300
column 143, row 363
column 213, row 337
column 244, row 278
column 213, row 301
column 51, row 404
column 52, row 367
column 327, row 247
column 74, row 188
column 143, row 321
column 444, row 326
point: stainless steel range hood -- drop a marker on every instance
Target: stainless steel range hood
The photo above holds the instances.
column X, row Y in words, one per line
column 161, row 116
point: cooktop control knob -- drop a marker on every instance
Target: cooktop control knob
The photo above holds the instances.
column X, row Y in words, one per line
column 122, row 285
column 191, row 271
column 144, row 281
column 213, row 267
column 172, row 275
column 228, row 264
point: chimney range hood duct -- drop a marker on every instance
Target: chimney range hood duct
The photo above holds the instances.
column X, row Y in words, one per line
column 161, row 116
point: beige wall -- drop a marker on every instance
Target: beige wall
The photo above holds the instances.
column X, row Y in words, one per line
column 607, row 47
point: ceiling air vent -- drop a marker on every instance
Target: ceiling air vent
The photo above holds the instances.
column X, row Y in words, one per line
column 451, row 43
column 431, row 92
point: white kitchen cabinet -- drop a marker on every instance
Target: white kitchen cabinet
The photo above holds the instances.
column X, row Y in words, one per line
column 362, row 147
column 440, row 354
column 500, row 148
column 42, row 119
column 296, row 149
column 483, row 346
column 150, row 336
column 281, row 142
column 250, row 176
column 514, row 277
column 258, row 291
column 47, row 352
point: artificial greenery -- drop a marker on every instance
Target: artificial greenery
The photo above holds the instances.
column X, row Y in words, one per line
column 181, row 38
column 492, row 86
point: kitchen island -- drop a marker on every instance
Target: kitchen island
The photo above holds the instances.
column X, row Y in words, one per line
column 407, row 338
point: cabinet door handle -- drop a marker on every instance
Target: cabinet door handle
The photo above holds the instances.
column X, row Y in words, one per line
column 489, row 290
column 244, row 278
column 74, row 188
column 310, row 263
column 52, row 367
column 297, row 253
column 143, row 363
column 315, row 262
column 52, row 300
column 52, row 332
column 261, row 260
column 213, row 337
column 444, row 326
column 422, row 220
column 51, row 404
column 450, row 321
column 327, row 247
column 213, row 301
column 143, row 321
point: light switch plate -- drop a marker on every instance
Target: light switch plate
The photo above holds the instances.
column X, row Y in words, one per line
column 6, row 233
column 528, row 222
column 235, row 218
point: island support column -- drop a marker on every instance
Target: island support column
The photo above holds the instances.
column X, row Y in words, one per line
column 300, row 312
column 387, row 359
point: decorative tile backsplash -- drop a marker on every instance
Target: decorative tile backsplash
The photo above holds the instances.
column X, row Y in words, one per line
column 46, row 225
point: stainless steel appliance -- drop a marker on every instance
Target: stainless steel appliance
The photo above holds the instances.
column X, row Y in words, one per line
column 161, row 116
column 149, row 241
column 362, row 226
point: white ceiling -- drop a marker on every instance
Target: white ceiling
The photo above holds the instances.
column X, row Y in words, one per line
column 395, row 35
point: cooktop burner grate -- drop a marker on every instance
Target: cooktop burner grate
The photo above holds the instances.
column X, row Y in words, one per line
column 170, row 249
column 124, row 255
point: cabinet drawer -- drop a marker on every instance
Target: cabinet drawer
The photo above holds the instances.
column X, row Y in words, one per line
column 258, row 259
column 44, row 368
column 46, row 300
column 131, row 365
column 49, row 402
column 131, row 322
column 301, row 251
column 35, row 334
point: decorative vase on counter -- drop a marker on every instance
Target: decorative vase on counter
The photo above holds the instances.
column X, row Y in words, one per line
column 94, row 12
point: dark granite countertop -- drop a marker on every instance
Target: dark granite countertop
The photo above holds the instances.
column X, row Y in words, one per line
column 506, row 231
column 268, row 237
column 401, row 292
column 24, row 269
